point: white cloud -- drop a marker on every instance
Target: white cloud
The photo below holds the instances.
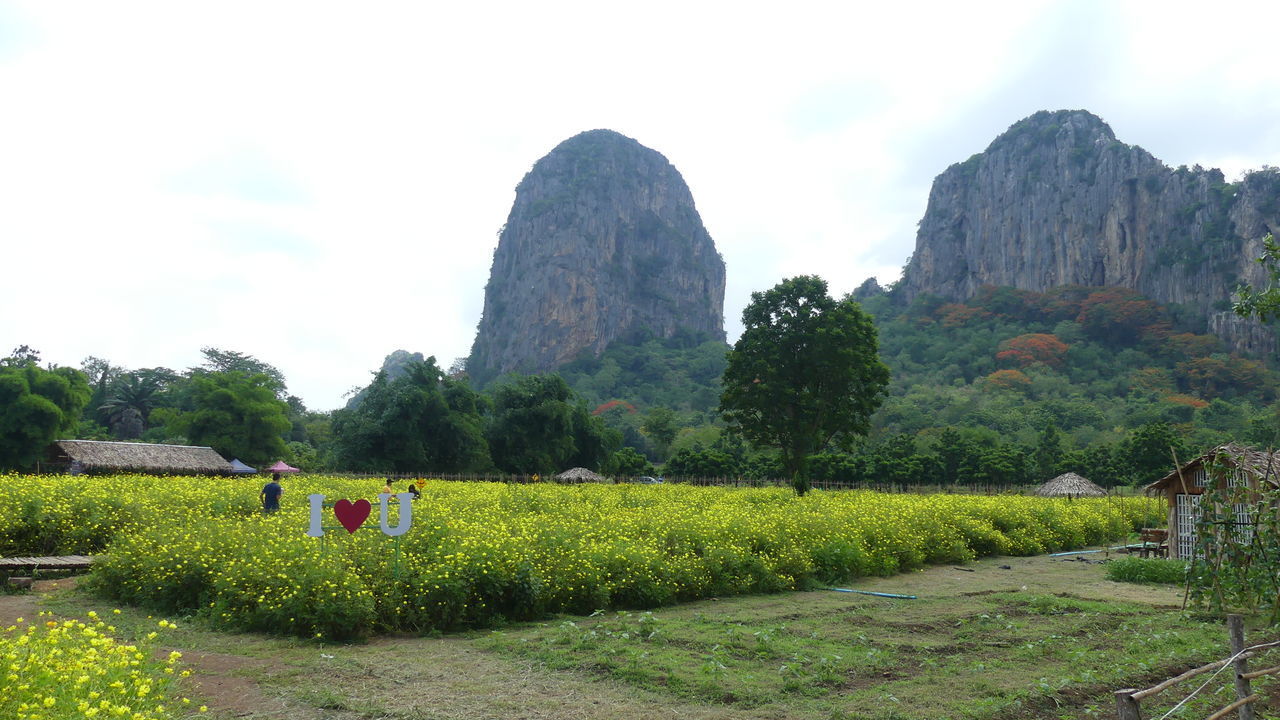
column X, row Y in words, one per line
column 319, row 185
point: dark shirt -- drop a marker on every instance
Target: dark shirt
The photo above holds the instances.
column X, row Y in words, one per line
column 271, row 496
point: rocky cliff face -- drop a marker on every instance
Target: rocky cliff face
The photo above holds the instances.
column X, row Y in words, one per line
column 603, row 239
column 1057, row 200
column 394, row 365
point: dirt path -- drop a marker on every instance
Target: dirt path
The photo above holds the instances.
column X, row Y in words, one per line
column 27, row 605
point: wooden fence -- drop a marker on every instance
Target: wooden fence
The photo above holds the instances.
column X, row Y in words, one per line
column 400, row 477
column 1128, row 701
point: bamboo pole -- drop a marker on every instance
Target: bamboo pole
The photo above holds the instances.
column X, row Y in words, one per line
column 1140, row 694
column 1243, row 704
column 1259, row 673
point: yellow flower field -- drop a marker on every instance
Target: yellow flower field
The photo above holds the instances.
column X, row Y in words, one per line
column 478, row 553
column 72, row 669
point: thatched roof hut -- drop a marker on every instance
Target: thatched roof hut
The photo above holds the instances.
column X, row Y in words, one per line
column 100, row 456
column 1223, row 467
column 1069, row 485
column 1247, row 460
column 579, row 475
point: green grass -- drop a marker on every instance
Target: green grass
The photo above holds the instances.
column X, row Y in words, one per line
column 1147, row 570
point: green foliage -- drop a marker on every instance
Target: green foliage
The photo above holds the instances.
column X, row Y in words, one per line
column 1147, row 570
column 661, row 426
column 421, row 421
column 629, row 463
column 804, row 373
column 37, row 406
column 1263, row 304
column 216, row 360
column 702, row 462
column 129, row 403
column 538, row 426
column 236, row 414
column 1127, row 363
column 1236, row 560
column 681, row 372
column 1149, row 452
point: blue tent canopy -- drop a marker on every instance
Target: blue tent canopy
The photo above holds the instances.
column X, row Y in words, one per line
column 239, row 467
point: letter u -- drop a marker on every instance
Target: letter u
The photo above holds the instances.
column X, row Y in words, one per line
column 406, row 514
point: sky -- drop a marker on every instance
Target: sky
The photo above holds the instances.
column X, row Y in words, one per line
column 319, row 184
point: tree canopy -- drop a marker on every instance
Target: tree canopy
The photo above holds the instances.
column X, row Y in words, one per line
column 1265, row 303
column 420, row 421
column 537, row 427
column 36, row 407
column 236, row 414
column 805, row 373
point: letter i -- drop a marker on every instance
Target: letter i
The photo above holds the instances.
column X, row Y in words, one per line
column 317, row 507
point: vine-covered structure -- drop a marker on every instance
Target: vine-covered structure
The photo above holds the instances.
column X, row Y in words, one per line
column 1239, row 473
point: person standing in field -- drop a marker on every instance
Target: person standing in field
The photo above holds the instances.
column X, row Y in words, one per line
column 271, row 493
column 387, row 488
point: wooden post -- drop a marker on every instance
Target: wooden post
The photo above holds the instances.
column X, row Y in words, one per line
column 1235, row 627
column 1126, row 707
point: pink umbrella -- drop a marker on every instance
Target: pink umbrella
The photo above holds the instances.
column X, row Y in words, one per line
column 281, row 466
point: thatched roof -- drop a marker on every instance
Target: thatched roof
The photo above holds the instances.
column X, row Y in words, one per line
column 140, row 457
column 1069, row 485
column 1264, row 465
column 579, row 475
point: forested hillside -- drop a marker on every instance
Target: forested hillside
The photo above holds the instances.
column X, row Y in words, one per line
column 1013, row 387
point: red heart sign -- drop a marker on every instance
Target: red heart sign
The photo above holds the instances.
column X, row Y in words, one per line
column 351, row 514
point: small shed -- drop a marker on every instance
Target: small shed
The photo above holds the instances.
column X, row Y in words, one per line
column 106, row 457
column 579, row 475
column 1240, row 466
column 1069, row 485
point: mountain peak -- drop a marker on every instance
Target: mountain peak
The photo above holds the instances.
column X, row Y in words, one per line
column 1057, row 200
column 603, row 238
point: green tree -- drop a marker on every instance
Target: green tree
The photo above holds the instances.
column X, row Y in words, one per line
column 236, row 414
column 421, row 421
column 1147, row 455
column 627, row 462
column 661, row 426
column 36, row 407
column 217, row 360
column 804, row 374
column 1263, row 304
column 129, row 404
column 538, row 426
column 701, row 462
column 1048, row 453
column 952, row 449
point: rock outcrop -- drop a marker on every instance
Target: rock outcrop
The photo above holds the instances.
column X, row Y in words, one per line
column 394, row 366
column 1057, row 200
column 603, row 239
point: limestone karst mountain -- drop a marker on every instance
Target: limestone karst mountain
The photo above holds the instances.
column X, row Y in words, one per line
column 1058, row 200
column 603, row 239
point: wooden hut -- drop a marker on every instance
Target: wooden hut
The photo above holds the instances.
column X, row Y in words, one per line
column 95, row 456
column 1069, row 485
column 579, row 475
column 1239, row 466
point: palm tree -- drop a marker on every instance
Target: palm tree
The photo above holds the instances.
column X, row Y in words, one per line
column 132, row 399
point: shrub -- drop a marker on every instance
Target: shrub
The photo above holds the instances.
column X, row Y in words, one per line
column 1147, row 570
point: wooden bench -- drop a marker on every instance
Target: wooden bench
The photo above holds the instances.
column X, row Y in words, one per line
column 64, row 562
column 1155, row 541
